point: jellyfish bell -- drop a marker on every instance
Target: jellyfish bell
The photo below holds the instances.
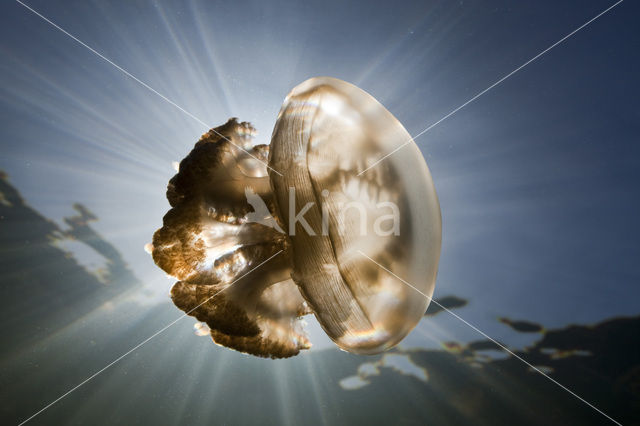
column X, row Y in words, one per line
column 328, row 134
column 323, row 229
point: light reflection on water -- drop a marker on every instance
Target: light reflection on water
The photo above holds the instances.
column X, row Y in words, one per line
column 538, row 185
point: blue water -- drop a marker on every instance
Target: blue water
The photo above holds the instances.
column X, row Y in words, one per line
column 538, row 181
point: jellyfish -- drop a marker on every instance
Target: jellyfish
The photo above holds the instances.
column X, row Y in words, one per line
column 260, row 236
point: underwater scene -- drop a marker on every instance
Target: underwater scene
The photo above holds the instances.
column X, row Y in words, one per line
column 286, row 213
